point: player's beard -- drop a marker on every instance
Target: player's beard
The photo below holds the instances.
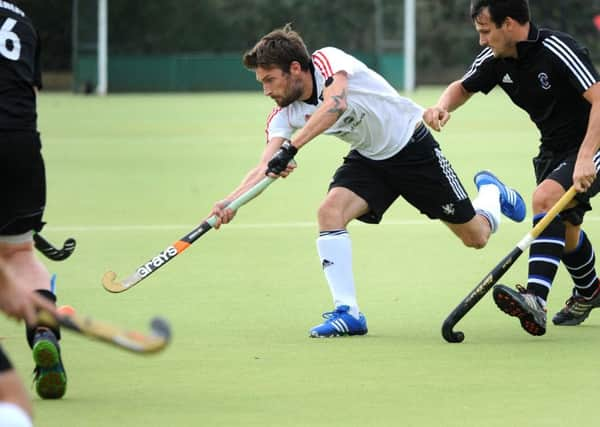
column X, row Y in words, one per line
column 293, row 94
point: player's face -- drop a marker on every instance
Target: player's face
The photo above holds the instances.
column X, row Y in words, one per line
column 283, row 88
column 493, row 37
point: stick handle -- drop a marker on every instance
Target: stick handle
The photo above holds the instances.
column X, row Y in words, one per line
column 245, row 197
column 109, row 279
column 502, row 267
column 555, row 210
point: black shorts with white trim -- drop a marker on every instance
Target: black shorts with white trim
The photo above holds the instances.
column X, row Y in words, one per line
column 559, row 166
column 419, row 173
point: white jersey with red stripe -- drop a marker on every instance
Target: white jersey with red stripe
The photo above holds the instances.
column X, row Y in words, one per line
column 378, row 122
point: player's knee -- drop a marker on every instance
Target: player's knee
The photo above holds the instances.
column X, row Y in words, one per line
column 329, row 215
column 544, row 197
column 474, row 233
column 541, row 203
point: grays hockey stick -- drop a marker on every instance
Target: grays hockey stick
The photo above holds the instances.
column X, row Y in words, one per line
column 498, row 271
column 136, row 342
column 112, row 285
column 52, row 252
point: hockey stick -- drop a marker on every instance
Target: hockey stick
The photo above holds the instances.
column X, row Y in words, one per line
column 50, row 251
column 133, row 341
column 498, row 271
column 109, row 279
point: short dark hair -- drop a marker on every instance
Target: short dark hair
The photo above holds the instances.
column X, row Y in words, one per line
column 278, row 49
column 502, row 9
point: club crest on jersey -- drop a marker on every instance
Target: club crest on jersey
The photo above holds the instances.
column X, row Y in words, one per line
column 448, row 209
column 544, row 81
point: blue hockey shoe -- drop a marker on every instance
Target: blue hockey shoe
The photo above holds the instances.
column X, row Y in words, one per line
column 511, row 203
column 339, row 323
column 50, row 376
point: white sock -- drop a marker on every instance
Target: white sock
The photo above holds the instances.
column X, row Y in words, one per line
column 335, row 252
column 487, row 204
column 12, row 415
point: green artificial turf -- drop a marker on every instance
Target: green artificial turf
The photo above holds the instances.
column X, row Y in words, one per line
column 130, row 174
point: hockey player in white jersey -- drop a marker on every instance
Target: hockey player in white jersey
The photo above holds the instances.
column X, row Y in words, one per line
column 391, row 154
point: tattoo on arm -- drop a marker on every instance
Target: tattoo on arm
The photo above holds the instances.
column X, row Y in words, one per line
column 340, row 103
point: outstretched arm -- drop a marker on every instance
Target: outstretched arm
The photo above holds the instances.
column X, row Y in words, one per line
column 252, row 178
column 453, row 97
column 278, row 152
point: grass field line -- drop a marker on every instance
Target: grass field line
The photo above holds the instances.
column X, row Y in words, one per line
column 297, row 224
column 161, row 227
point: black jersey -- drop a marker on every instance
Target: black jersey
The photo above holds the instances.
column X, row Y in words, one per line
column 547, row 80
column 19, row 69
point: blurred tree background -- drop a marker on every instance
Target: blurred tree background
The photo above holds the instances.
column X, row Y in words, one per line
column 446, row 40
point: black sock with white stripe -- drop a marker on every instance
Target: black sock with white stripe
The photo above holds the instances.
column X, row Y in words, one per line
column 544, row 257
column 580, row 264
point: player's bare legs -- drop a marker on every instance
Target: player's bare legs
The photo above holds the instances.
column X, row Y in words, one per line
column 23, row 261
column 13, row 393
column 335, row 251
column 473, row 234
column 18, row 252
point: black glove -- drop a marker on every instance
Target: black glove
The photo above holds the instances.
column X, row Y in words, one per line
column 281, row 158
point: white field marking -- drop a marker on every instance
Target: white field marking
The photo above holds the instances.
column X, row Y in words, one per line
column 301, row 224
column 166, row 227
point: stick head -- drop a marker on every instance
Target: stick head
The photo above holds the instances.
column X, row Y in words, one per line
column 450, row 335
column 454, row 337
column 136, row 342
column 110, row 284
column 50, row 251
column 160, row 327
column 153, row 343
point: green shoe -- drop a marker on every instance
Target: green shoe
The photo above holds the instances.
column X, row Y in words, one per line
column 50, row 376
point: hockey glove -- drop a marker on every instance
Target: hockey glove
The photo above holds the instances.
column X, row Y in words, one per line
column 281, row 158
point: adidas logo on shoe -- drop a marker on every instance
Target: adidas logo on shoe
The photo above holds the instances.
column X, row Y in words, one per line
column 512, row 204
column 339, row 323
column 326, row 263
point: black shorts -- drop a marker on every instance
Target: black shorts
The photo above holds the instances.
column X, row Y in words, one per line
column 559, row 166
column 22, row 182
column 5, row 364
column 419, row 173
